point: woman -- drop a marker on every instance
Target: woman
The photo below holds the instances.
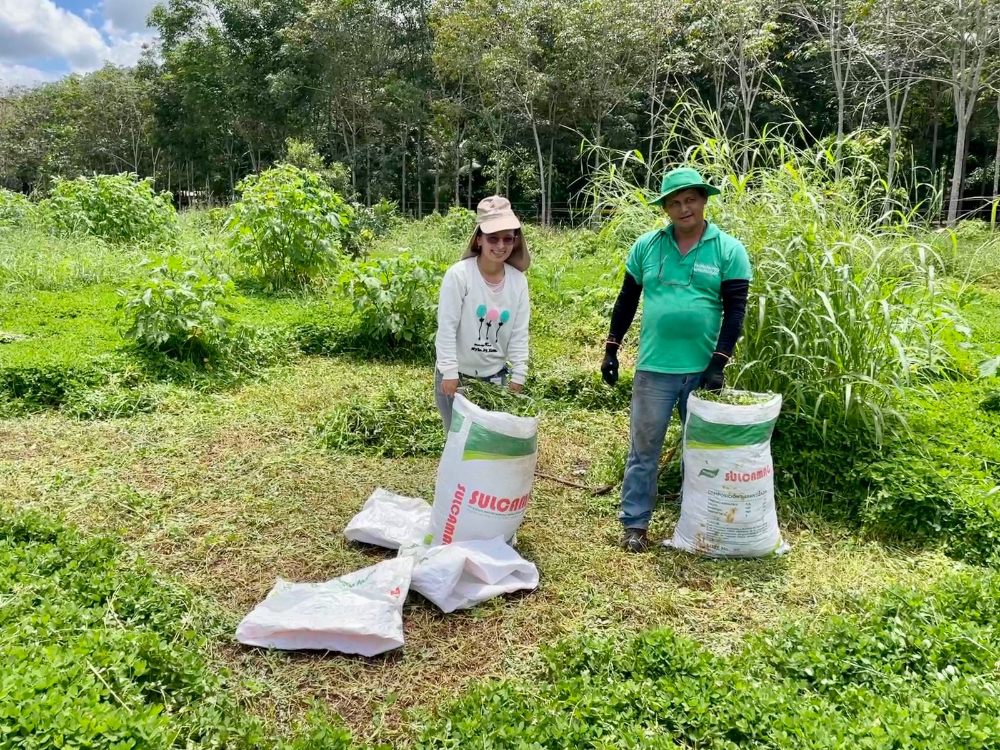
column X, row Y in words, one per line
column 483, row 308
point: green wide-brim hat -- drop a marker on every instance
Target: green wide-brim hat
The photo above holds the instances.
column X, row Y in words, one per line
column 683, row 178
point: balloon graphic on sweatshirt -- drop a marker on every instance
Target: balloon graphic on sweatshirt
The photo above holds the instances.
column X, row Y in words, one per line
column 491, row 317
column 481, row 314
column 504, row 317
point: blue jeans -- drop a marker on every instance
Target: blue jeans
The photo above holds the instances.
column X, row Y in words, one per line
column 654, row 395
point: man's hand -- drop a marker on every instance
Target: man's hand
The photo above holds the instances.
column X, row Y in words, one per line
column 449, row 387
column 609, row 367
column 713, row 378
column 515, row 387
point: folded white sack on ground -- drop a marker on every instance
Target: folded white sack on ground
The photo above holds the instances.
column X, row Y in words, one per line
column 359, row 613
column 390, row 520
column 460, row 575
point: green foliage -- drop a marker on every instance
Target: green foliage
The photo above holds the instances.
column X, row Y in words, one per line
column 31, row 259
column 459, row 223
column 991, row 402
column 303, row 154
column 581, row 389
column 935, row 485
column 99, row 652
column 494, row 398
column 14, row 208
column 914, row 668
column 179, row 309
column 47, row 384
column 117, row 208
column 395, row 300
column 56, row 344
column 289, row 226
column 113, row 402
column 379, row 219
column 398, row 421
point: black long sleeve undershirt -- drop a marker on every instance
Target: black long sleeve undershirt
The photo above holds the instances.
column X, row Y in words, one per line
column 734, row 309
column 625, row 307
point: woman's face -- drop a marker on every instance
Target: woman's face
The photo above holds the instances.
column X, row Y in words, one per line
column 497, row 246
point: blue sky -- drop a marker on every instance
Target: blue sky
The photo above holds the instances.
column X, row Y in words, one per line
column 42, row 40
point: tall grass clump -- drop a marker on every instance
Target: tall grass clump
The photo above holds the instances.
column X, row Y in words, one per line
column 845, row 306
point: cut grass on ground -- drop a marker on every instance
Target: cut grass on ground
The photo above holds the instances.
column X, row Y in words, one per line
column 235, row 489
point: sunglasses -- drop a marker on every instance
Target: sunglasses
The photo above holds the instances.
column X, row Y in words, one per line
column 492, row 239
column 681, row 275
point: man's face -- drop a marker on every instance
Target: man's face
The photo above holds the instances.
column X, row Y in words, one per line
column 686, row 209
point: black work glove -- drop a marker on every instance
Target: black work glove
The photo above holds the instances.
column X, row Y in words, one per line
column 609, row 367
column 713, row 379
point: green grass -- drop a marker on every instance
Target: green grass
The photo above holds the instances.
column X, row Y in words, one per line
column 61, row 328
column 98, row 651
column 227, row 491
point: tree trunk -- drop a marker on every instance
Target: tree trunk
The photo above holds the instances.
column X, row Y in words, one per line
column 468, row 196
column 653, row 112
column 420, row 173
column 458, row 162
column 541, row 163
column 934, row 144
column 402, row 186
column 996, row 159
column 548, row 183
column 956, row 173
column 368, row 174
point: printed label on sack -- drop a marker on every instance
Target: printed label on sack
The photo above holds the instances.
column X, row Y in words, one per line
column 480, row 502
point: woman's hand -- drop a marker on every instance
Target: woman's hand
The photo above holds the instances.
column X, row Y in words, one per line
column 515, row 387
column 449, row 387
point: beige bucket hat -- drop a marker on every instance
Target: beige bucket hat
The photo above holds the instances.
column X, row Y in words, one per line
column 494, row 214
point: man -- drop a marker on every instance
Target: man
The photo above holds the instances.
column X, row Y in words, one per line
column 693, row 279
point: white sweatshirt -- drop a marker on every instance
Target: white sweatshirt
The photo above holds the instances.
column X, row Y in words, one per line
column 479, row 330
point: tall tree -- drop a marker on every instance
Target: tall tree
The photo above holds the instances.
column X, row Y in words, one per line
column 831, row 22
column 959, row 36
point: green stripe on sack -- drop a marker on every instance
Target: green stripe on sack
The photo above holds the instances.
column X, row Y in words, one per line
column 483, row 444
column 712, row 434
column 456, row 421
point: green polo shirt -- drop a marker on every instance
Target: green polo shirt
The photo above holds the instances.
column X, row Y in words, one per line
column 682, row 302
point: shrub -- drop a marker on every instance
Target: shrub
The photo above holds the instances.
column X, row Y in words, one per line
column 370, row 223
column 930, row 487
column 47, row 384
column 303, row 154
column 395, row 300
column 179, row 309
column 14, row 207
column 117, row 208
column 459, row 223
column 289, row 226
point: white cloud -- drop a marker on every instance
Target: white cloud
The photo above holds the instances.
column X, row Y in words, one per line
column 24, row 75
column 126, row 15
column 126, row 50
column 33, row 29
